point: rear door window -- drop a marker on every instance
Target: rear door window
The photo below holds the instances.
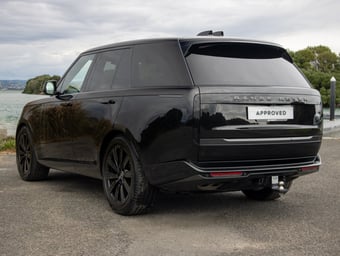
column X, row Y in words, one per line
column 111, row 71
column 159, row 65
column 242, row 64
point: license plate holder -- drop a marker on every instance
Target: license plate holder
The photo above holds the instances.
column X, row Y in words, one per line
column 275, row 182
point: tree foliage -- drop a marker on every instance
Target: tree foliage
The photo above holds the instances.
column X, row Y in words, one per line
column 319, row 64
column 35, row 85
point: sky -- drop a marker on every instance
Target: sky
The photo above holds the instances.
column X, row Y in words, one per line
column 45, row 36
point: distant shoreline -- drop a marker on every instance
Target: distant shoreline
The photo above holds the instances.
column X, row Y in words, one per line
column 12, row 84
column 11, row 89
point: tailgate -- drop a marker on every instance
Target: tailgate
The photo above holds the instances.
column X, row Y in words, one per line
column 257, row 127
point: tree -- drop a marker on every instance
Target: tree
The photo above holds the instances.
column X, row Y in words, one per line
column 325, row 59
column 319, row 64
column 304, row 58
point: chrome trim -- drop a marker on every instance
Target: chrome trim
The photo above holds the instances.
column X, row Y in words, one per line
column 258, row 141
column 264, row 127
column 269, row 139
column 250, row 169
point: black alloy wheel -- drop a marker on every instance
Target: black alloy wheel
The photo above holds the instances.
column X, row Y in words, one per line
column 124, row 182
column 24, row 153
column 119, row 174
column 27, row 164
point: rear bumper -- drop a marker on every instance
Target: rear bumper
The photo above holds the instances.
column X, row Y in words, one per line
column 186, row 176
column 241, row 149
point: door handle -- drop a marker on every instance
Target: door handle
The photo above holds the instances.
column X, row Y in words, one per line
column 109, row 102
column 64, row 97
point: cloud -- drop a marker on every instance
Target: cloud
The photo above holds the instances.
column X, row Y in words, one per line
column 45, row 36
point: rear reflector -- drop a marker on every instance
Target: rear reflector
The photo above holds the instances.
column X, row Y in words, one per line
column 310, row 169
column 221, row 174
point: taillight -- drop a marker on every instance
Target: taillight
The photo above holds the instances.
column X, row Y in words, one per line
column 196, row 114
column 310, row 169
column 222, row 174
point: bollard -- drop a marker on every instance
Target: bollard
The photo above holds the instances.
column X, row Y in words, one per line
column 332, row 103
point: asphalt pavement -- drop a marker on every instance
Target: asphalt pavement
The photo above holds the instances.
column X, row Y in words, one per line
column 68, row 215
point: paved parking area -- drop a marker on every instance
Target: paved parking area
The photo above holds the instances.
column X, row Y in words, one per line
column 68, row 215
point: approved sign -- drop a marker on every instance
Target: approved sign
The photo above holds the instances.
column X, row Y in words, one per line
column 270, row 112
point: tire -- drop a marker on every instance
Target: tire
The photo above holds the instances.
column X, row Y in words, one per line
column 125, row 185
column 265, row 194
column 28, row 167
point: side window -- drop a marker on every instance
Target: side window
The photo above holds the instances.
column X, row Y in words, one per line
column 159, row 64
column 74, row 79
column 111, row 70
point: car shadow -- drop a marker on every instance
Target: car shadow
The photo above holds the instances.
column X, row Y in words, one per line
column 213, row 204
column 71, row 182
column 233, row 203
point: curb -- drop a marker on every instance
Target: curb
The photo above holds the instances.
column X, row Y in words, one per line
column 331, row 126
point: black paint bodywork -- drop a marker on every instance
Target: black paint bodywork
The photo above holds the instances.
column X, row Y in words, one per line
column 181, row 133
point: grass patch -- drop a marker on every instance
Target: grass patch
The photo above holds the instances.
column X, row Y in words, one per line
column 7, row 144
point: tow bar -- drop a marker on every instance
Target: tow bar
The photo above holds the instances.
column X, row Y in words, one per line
column 279, row 185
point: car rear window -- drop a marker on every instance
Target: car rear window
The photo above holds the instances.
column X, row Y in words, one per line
column 243, row 64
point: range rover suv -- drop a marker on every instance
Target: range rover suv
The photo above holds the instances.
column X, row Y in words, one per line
column 181, row 115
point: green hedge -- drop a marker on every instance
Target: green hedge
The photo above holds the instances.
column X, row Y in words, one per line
column 7, row 144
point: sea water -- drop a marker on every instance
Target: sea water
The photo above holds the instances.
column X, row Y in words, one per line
column 11, row 105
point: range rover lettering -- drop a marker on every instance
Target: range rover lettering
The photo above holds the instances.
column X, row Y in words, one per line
column 207, row 114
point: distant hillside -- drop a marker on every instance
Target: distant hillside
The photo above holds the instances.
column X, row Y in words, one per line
column 12, row 84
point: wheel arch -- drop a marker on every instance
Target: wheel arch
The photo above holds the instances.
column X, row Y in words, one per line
column 25, row 123
column 111, row 135
column 19, row 127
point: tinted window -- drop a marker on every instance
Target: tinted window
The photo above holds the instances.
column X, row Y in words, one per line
column 111, row 70
column 242, row 64
column 74, row 79
column 159, row 64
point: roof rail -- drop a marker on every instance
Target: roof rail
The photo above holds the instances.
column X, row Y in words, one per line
column 210, row 33
column 218, row 33
column 205, row 33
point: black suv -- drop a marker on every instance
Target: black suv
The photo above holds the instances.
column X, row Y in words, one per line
column 178, row 115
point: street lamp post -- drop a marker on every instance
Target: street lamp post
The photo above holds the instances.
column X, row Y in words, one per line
column 333, row 96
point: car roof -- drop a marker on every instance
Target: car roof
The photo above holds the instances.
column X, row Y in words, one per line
column 198, row 39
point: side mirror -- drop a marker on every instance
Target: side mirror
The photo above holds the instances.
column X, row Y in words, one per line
column 50, row 87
